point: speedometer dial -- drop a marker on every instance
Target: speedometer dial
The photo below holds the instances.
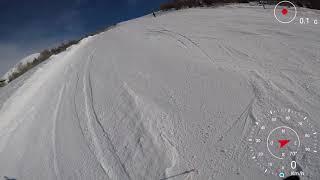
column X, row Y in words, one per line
column 284, row 143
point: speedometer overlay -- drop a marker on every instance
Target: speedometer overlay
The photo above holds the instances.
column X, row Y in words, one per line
column 284, row 143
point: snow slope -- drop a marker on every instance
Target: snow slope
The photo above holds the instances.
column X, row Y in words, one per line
column 159, row 97
column 23, row 62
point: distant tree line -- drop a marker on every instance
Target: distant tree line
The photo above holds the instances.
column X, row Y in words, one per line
column 179, row 4
column 46, row 54
column 313, row 4
column 2, row 83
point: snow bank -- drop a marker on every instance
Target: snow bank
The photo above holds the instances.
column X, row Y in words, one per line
column 20, row 65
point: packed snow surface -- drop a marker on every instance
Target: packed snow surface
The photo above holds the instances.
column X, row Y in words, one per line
column 171, row 97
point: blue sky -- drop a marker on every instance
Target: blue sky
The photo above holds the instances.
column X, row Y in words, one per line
column 29, row 26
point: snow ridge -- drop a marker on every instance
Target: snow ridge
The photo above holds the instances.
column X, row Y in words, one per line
column 22, row 63
column 54, row 148
column 92, row 118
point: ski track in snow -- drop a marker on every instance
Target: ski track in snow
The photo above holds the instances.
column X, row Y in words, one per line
column 54, row 148
column 184, row 40
column 92, row 118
